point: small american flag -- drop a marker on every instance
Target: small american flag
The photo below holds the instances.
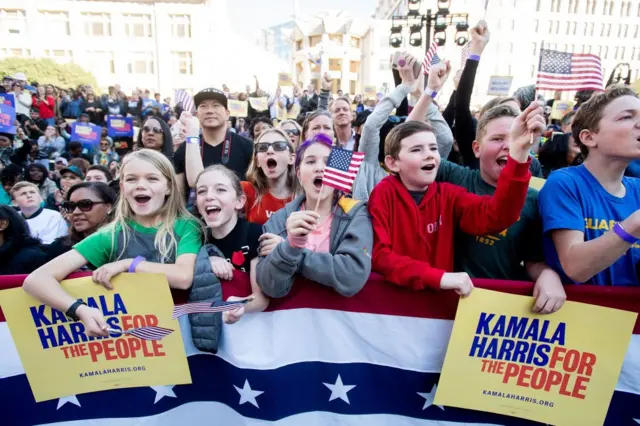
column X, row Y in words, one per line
column 342, row 168
column 146, row 333
column 430, row 57
column 564, row 71
column 186, row 100
column 206, row 307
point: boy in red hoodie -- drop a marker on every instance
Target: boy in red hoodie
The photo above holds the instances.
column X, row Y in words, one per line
column 415, row 218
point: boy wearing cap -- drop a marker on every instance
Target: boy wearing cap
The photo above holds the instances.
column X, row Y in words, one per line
column 216, row 144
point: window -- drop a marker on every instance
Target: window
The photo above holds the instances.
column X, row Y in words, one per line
column 354, row 66
column 635, row 34
column 628, row 8
column 533, row 70
column 100, row 62
column 352, row 87
column 586, row 48
column 553, row 5
column 336, row 38
column 626, row 30
column 97, row 24
column 535, row 48
column 611, row 8
column 557, row 27
column 568, row 27
column 605, row 6
column 606, row 52
column 298, row 45
column 16, row 53
column 57, row 23
column 355, row 43
column 608, row 30
column 538, row 7
column 59, row 55
column 536, row 24
column 137, row 25
column 576, row 3
column 141, row 63
column 586, row 26
column 593, row 7
column 183, row 62
column 622, row 52
column 180, row 26
column 315, row 40
column 559, row 5
column 335, row 64
column 592, row 27
column 13, row 21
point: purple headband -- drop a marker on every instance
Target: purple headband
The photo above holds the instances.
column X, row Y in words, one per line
column 319, row 138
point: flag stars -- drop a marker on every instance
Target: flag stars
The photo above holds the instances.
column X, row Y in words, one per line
column 429, row 397
column 70, row 399
column 339, row 390
column 247, row 394
column 162, row 391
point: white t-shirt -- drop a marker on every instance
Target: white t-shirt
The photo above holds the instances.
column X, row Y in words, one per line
column 47, row 225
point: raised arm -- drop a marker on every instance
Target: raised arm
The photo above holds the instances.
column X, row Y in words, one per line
column 192, row 158
column 465, row 134
column 325, row 92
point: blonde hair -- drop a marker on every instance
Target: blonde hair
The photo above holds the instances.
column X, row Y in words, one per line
column 24, row 184
column 256, row 176
column 295, row 124
column 173, row 208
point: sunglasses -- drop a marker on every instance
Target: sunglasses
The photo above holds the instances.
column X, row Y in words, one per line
column 83, row 205
column 155, row 130
column 277, row 146
column 294, row 132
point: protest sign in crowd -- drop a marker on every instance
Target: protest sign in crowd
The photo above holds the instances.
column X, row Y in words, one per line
column 322, row 187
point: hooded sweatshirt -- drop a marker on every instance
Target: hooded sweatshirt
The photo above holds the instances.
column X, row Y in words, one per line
column 345, row 268
column 413, row 244
column 370, row 172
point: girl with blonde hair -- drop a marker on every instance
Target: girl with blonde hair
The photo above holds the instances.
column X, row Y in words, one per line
column 152, row 232
column 271, row 178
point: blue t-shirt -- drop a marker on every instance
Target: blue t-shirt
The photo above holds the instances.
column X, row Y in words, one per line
column 572, row 198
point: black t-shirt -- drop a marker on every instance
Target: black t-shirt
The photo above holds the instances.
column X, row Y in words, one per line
column 240, row 247
column 240, row 154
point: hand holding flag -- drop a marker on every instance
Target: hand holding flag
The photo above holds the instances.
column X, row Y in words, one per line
column 145, row 333
column 438, row 76
column 527, row 127
column 405, row 68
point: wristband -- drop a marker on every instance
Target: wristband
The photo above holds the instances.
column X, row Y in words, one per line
column 135, row 263
column 620, row 232
column 71, row 312
column 433, row 94
column 193, row 140
column 474, row 57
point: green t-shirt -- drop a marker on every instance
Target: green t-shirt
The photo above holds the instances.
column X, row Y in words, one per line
column 98, row 248
column 501, row 255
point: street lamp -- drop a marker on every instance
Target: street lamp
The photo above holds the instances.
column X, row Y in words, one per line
column 440, row 22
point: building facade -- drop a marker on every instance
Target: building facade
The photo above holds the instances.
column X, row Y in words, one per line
column 161, row 45
column 330, row 42
column 519, row 28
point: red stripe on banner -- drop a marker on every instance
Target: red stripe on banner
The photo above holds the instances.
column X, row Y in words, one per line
column 380, row 297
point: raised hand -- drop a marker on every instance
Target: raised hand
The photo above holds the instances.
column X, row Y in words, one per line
column 405, row 68
column 479, row 38
column 529, row 124
column 327, row 82
column 438, row 76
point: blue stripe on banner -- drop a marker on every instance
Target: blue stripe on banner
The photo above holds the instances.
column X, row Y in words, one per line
column 286, row 391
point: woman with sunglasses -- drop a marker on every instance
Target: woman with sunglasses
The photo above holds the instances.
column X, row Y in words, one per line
column 271, row 178
column 155, row 134
column 293, row 130
column 87, row 207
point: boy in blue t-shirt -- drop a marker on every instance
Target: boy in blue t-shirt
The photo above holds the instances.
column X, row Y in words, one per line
column 591, row 213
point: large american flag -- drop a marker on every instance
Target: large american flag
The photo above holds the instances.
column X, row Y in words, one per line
column 314, row 358
column 565, row 71
column 431, row 57
column 186, row 100
column 342, row 168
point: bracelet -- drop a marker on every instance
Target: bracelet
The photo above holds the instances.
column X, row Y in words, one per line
column 193, row 140
column 71, row 312
column 474, row 57
column 433, row 94
column 135, row 263
column 620, row 232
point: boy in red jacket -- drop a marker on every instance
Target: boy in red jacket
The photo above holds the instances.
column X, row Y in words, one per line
column 415, row 218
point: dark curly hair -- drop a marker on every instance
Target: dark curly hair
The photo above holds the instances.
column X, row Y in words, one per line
column 254, row 123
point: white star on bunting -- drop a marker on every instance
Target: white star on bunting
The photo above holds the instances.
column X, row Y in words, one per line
column 428, row 398
column 72, row 399
column 162, row 391
column 247, row 394
column 339, row 390
column 637, row 421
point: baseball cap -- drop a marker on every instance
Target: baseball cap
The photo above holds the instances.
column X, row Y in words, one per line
column 20, row 76
column 73, row 169
column 210, row 93
column 62, row 160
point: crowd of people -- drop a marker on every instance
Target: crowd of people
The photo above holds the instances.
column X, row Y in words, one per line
column 442, row 195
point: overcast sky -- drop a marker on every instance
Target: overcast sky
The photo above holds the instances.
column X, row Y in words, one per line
column 258, row 14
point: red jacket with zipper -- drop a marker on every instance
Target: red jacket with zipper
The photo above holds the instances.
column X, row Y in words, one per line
column 413, row 244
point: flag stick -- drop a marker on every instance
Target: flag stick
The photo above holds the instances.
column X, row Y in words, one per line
column 318, row 201
column 486, row 7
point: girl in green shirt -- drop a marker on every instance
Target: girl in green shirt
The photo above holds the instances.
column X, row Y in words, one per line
column 152, row 232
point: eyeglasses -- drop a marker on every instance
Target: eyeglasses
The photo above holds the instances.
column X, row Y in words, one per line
column 277, row 146
column 294, row 132
column 155, row 130
column 84, row 205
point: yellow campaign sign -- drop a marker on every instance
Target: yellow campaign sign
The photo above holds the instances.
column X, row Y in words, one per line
column 536, row 183
column 560, row 108
column 294, row 112
column 559, row 369
column 284, row 79
column 281, row 113
column 60, row 360
column 370, row 91
column 259, row 104
column 636, row 86
column 238, row 108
